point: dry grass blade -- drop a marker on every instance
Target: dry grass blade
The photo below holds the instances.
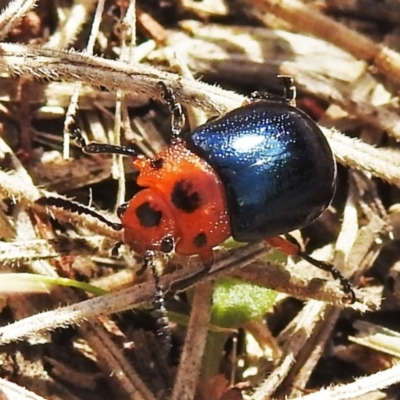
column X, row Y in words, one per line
column 12, row 391
column 363, row 386
column 12, row 15
column 195, row 341
column 307, row 19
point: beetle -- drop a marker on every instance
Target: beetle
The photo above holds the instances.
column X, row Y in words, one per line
column 254, row 173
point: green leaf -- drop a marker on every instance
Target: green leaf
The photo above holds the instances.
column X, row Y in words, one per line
column 236, row 302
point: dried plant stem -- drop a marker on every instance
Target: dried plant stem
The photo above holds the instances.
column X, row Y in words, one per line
column 111, row 359
column 144, row 293
column 73, row 105
column 71, row 315
column 69, row 27
column 127, row 55
column 12, row 15
column 304, row 285
column 307, row 19
column 348, row 98
column 193, row 349
column 297, row 378
column 70, row 66
column 300, row 330
column 114, row 364
column 18, row 190
column 44, row 64
column 355, row 154
column 348, row 233
column 310, row 353
column 10, row 390
column 119, row 301
column 19, row 187
column 361, row 387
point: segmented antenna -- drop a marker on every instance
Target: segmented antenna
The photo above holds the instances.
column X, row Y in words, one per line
column 77, row 208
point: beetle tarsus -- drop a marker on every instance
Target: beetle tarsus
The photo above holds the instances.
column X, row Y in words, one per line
column 289, row 89
column 163, row 331
column 336, row 274
column 178, row 117
column 289, row 92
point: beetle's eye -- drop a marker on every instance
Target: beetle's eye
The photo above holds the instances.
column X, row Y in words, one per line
column 167, row 244
column 121, row 209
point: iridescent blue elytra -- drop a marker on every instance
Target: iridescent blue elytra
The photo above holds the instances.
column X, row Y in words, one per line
column 276, row 166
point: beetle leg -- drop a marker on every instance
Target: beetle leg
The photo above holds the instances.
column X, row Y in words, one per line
column 294, row 249
column 289, row 93
column 163, row 330
column 255, row 96
column 178, row 117
column 98, row 148
column 289, row 89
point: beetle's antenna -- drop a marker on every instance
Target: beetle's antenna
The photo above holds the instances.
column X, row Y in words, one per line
column 164, row 331
column 98, row 148
column 78, row 208
column 178, row 117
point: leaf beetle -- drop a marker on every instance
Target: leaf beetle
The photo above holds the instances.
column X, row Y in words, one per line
column 257, row 172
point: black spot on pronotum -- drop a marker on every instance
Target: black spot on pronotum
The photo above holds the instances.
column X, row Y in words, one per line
column 184, row 198
column 200, row 240
column 157, row 163
column 148, row 216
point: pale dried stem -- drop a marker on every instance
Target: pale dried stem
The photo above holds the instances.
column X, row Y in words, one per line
column 116, row 302
column 110, row 356
column 144, row 293
column 195, row 341
column 11, row 16
column 308, row 357
column 69, row 66
column 305, row 337
column 353, row 153
column 300, row 329
column 143, row 79
column 310, row 354
column 71, row 22
column 10, row 390
column 304, row 18
column 300, row 281
column 71, row 111
column 13, row 187
column 361, row 387
column 126, row 55
column 114, row 364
